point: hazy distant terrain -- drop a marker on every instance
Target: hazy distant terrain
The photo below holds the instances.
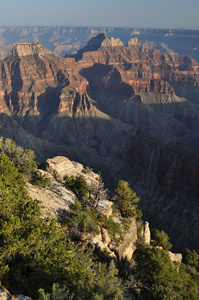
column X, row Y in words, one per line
column 62, row 40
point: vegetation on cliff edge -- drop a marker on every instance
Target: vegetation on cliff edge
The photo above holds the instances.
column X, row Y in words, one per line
column 39, row 258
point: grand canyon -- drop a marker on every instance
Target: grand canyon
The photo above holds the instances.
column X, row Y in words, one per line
column 126, row 110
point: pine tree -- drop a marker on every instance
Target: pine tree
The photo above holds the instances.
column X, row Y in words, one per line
column 127, row 199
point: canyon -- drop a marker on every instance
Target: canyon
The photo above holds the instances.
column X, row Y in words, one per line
column 129, row 111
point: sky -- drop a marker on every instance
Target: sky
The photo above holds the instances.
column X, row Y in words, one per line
column 170, row 14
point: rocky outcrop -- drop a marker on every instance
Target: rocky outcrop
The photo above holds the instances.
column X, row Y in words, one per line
column 134, row 42
column 147, row 233
column 102, row 40
column 5, row 295
column 125, row 249
column 175, row 257
column 56, row 199
column 61, row 167
column 128, row 245
column 25, row 49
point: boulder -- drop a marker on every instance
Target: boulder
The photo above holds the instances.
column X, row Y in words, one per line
column 61, row 166
column 175, row 257
column 105, row 208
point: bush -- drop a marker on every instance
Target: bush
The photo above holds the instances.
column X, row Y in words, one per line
column 35, row 252
column 82, row 221
column 160, row 238
column 24, row 160
column 160, row 279
column 78, row 186
column 87, row 170
column 127, row 200
column 191, row 258
column 41, row 181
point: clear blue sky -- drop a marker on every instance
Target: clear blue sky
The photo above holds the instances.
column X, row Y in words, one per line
column 116, row 13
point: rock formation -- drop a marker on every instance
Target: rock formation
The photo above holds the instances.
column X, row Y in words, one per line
column 175, row 257
column 5, row 295
column 25, row 49
column 57, row 201
column 147, row 233
column 134, row 42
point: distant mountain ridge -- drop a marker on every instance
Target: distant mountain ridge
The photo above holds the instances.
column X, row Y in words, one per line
column 62, row 40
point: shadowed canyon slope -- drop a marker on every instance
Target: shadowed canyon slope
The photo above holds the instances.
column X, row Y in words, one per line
column 88, row 107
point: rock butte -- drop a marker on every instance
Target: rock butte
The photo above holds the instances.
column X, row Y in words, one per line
column 25, row 49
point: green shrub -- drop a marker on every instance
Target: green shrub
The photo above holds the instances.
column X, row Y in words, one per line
column 80, row 220
column 160, row 238
column 43, row 181
column 160, row 279
column 87, row 170
column 127, row 200
column 78, row 186
column 191, row 258
column 35, row 252
column 24, row 160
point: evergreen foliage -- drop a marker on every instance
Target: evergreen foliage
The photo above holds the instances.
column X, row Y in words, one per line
column 191, row 258
column 24, row 160
column 80, row 221
column 101, row 282
column 160, row 279
column 160, row 238
column 78, row 186
column 35, row 253
column 127, row 200
column 41, row 181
